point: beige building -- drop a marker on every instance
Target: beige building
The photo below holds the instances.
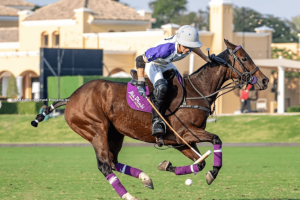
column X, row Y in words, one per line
column 123, row 33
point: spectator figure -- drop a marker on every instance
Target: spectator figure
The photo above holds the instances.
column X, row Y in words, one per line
column 244, row 98
column 47, row 116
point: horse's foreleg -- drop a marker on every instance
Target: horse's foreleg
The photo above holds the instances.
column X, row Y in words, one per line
column 199, row 135
column 167, row 166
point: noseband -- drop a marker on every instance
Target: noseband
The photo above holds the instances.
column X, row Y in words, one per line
column 246, row 77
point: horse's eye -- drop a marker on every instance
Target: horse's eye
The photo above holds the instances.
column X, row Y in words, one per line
column 244, row 59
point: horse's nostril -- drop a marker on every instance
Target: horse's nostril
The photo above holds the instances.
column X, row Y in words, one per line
column 265, row 81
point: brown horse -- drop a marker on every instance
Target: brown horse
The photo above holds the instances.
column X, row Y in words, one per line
column 99, row 113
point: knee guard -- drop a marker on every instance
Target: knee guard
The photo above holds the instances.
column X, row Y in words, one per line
column 160, row 91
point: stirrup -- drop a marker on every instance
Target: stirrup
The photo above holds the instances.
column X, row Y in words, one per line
column 159, row 121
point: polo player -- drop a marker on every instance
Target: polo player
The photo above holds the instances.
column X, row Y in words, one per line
column 157, row 60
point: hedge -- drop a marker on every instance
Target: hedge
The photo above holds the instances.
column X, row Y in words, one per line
column 293, row 109
column 90, row 78
column 20, row 107
column 68, row 84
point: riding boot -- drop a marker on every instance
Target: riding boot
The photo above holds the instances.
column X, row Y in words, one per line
column 160, row 91
column 158, row 125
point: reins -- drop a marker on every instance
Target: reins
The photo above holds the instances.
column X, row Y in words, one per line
column 244, row 79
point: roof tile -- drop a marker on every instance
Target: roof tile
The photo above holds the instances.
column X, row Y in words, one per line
column 15, row 3
column 9, row 34
column 8, row 11
column 102, row 9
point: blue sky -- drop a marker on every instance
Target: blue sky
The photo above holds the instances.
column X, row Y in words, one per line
column 279, row 8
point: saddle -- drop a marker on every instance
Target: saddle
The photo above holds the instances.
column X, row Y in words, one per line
column 175, row 93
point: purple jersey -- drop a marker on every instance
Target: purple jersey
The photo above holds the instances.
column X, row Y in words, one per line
column 165, row 52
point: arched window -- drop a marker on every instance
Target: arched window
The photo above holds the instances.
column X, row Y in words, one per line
column 45, row 39
column 55, row 39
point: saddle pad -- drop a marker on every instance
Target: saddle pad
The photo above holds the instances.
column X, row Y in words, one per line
column 136, row 101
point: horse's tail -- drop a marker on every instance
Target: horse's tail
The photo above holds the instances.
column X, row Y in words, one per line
column 48, row 110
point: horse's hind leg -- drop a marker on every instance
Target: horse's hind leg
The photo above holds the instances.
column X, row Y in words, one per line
column 167, row 165
column 115, row 144
column 105, row 161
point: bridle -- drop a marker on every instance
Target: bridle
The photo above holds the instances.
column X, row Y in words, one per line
column 245, row 78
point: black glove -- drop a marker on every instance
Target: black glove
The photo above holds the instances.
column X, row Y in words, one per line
column 217, row 59
column 141, row 88
column 212, row 57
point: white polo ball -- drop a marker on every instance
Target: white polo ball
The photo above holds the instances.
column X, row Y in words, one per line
column 188, row 182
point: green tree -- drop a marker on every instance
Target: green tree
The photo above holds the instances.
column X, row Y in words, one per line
column 36, row 7
column 12, row 90
column 284, row 53
column 167, row 11
column 199, row 20
column 121, row 2
column 295, row 25
column 247, row 19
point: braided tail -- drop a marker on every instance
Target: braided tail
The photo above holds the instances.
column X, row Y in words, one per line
column 48, row 110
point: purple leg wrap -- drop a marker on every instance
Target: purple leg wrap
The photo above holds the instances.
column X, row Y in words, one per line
column 217, row 155
column 125, row 169
column 116, row 184
column 186, row 169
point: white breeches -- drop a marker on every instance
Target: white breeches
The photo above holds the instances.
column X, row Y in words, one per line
column 155, row 72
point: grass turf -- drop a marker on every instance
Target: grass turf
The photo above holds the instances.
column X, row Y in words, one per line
column 71, row 173
column 241, row 128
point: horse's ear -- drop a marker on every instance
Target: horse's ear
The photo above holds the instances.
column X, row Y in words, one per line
column 229, row 44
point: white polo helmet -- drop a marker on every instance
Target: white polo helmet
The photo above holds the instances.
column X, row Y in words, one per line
column 187, row 36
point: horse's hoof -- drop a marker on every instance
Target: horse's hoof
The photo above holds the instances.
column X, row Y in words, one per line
column 128, row 196
column 160, row 141
column 34, row 124
column 163, row 165
column 209, row 178
column 148, row 183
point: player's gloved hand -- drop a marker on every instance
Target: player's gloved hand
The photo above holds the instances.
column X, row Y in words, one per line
column 141, row 88
column 218, row 60
column 212, row 57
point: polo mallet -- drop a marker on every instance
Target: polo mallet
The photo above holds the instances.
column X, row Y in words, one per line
column 201, row 158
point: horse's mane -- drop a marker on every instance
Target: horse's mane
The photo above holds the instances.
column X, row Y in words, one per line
column 200, row 68
column 205, row 65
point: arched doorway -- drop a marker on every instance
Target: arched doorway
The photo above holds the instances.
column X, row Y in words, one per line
column 4, row 77
column 116, row 70
column 28, row 81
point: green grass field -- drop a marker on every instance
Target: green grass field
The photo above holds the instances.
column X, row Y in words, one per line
column 241, row 128
column 71, row 173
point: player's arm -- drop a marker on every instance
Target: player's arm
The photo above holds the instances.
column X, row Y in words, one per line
column 201, row 54
column 160, row 51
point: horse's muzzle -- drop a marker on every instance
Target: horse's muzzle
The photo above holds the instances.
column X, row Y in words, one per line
column 265, row 82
